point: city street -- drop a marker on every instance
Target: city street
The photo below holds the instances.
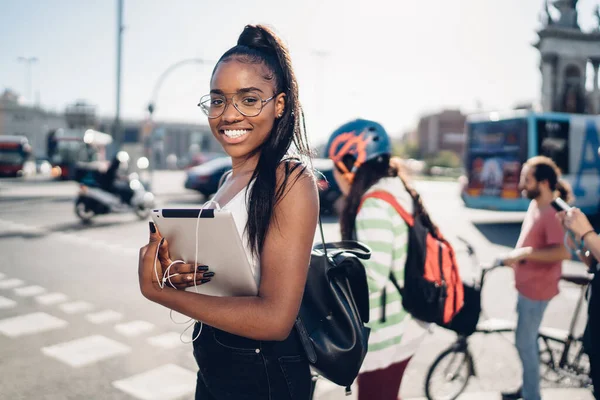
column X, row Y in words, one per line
column 73, row 324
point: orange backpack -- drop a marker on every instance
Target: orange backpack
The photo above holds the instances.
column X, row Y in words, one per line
column 433, row 290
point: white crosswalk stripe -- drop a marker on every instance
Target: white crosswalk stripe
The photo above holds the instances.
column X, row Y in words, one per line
column 30, row 324
column 72, row 237
column 168, row 382
column 29, row 291
column 134, row 328
column 7, row 303
column 76, row 307
column 48, row 299
column 104, row 316
column 11, row 283
column 169, row 340
column 85, row 351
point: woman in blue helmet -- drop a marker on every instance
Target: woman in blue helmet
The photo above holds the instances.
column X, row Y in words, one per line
column 361, row 152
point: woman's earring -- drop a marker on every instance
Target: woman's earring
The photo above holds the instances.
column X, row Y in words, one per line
column 280, row 115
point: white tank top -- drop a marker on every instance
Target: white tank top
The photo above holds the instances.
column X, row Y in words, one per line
column 238, row 208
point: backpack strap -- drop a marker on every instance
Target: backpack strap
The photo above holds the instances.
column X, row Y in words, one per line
column 391, row 199
column 409, row 219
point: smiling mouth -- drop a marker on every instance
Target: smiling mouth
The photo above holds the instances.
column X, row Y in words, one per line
column 235, row 133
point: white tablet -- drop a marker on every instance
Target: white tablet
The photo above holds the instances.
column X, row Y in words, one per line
column 219, row 247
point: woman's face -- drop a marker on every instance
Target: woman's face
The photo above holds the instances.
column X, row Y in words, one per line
column 342, row 182
column 240, row 135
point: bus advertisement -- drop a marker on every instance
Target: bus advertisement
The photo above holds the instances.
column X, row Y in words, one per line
column 497, row 146
column 15, row 156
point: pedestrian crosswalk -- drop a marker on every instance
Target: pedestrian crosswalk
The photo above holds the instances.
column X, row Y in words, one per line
column 86, row 350
column 150, row 385
column 56, row 311
column 28, row 324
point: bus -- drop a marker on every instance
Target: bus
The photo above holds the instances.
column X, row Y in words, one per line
column 498, row 144
column 67, row 148
column 15, row 156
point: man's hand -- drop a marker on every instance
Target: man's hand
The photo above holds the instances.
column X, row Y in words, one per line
column 515, row 256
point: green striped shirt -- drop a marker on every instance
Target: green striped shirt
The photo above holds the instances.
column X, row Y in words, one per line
column 380, row 227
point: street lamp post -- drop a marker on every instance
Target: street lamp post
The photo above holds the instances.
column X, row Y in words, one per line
column 117, row 131
column 28, row 77
column 152, row 104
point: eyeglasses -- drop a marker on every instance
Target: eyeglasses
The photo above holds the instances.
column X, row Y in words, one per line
column 249, row 104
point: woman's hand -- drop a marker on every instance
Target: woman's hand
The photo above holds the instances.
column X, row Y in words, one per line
column 575, row 221
column 152, row 270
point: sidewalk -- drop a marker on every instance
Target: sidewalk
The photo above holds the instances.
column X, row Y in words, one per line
column 329, row 391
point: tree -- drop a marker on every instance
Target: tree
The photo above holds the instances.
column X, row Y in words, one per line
column 407, row 150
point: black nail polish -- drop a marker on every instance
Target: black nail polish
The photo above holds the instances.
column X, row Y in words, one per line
column 152, row 227
column 161, row 242
column 208, row 274
column 204, row 281
column 202, row 268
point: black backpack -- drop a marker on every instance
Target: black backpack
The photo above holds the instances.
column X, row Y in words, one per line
column 334, row 310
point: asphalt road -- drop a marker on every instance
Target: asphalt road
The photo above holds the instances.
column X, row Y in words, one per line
column 73, row 324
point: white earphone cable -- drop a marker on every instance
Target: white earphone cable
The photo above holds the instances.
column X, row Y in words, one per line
column 167, row 276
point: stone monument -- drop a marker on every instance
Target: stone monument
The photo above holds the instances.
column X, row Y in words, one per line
column 565, row 53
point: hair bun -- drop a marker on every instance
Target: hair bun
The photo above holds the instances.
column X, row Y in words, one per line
column 257, row 37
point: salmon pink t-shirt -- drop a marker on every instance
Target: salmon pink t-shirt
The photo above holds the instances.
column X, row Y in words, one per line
column 538, row 280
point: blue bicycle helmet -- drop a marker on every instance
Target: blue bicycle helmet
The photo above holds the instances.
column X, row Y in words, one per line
column 364, row 140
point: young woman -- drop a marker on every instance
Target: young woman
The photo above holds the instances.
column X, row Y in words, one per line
column 361, row 153
column 247, row 348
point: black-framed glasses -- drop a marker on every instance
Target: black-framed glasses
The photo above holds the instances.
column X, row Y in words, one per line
column 248, row 103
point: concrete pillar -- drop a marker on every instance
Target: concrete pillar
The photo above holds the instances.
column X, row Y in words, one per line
column 595, row 88
column 548, row 68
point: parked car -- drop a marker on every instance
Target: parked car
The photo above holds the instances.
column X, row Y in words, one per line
column 205, row 179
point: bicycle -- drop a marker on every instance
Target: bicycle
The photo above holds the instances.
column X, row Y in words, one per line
column 562, row 356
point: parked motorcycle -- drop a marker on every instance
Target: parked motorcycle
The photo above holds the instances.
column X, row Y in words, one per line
column 119, row 195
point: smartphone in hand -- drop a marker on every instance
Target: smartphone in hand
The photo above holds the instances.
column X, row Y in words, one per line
column 560, row 205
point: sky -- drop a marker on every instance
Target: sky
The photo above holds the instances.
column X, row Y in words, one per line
column 390, row 61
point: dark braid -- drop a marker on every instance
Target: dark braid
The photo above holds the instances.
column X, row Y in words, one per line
column 258, row 44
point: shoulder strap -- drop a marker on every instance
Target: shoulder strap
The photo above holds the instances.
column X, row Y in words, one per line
column 224, row 177
column 389, row 198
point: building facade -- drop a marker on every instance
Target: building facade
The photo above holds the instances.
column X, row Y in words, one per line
column 158, row 140
column 441, row 131
column 25, row 120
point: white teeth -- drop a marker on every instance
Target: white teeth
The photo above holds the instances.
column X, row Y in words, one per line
column 235, row 133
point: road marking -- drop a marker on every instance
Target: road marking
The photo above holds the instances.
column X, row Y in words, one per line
column 85, row 351
column 104, row 316
column 169, row 340
column 168, row 382
column 29, row 291
column 49, row 299
column 76, row 307
column 70, row 237
column 30, row 324
column 11, row 283
column 134, row 328
column 2, row 276
column 7, row 303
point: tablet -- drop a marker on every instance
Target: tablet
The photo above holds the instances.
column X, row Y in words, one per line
column 219, row 246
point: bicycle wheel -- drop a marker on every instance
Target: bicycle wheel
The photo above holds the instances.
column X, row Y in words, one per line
column 449, row 374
